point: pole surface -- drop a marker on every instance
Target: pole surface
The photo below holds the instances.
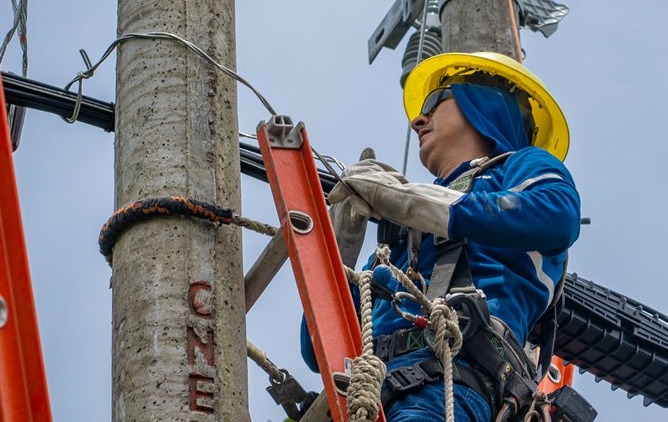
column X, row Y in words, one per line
column 470, row 26
column 179, row 335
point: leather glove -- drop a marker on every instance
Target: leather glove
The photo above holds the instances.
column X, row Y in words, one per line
column 424, row 207
column 350, row 226
column 366, row 168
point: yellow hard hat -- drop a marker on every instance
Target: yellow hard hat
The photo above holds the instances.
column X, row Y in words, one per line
column 551, row 128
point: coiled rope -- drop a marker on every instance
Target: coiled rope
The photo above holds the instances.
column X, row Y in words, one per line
column 137, row 211
column 368, row 370
column 442, row 320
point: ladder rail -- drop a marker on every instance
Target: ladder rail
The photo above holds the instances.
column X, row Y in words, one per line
column 314, row 255
column 23, row 388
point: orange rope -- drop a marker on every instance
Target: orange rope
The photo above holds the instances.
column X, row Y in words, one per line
column 515, row 29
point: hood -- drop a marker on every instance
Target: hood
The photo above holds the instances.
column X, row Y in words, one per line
column 494, row 113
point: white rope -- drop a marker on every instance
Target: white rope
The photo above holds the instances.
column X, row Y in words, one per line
column 259, row 356
column 368, row 371
column 444, row 322
column 540, row 401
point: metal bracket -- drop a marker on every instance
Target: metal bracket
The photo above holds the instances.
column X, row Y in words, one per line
column 4, row 313
column 16, row 117
column 537, row 15
column 283, row 133
column 394, row 26
column 541, row 15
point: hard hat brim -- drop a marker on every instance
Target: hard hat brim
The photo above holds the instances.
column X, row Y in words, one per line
column 552, row 129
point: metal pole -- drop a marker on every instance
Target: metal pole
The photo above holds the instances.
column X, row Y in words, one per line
column 179, row 337
column 480, row 25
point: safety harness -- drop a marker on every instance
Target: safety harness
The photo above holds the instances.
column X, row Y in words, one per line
column 491, row 361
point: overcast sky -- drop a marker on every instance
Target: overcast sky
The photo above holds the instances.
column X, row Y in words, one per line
column 605, row 65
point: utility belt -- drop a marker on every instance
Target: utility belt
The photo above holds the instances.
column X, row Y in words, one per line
column 405, row 380
column 491, row 362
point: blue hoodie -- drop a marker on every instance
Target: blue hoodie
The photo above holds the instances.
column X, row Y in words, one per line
column 519, row 219
column 494, row 113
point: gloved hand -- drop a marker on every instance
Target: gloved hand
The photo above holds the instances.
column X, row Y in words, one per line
column 350, row 226
column 377, row 170
column 381, row 194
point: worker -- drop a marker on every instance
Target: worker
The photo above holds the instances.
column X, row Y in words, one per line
column 495, row 139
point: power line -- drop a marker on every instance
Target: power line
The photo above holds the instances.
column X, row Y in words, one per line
column 40, row 96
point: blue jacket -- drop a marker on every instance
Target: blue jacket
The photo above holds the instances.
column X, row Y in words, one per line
column 519, row 219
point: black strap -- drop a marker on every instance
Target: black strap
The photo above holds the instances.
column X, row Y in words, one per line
column 388, row 233
column 387, row 347
column 548, row 335
column 451, row 270
column 547, row 327
column 405, row 380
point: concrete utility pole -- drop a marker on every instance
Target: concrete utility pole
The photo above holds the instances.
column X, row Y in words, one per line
column 179, row 335
column 480, row 25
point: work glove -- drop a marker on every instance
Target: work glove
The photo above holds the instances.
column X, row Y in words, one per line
column 364, row 169
column 350, row 226
column 381, row 194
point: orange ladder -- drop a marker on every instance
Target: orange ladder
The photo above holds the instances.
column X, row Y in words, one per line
column 314, row 255
column 558, row 375
column 23, row 389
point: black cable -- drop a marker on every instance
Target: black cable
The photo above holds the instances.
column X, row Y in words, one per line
column 40, row 96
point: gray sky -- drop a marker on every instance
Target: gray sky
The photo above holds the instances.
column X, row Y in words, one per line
column 604, row 65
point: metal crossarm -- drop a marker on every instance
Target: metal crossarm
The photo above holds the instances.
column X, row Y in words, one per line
column 314, row 255
column 23, row 388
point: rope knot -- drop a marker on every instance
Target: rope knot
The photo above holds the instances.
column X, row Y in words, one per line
column 445, row 324
column 539, row 402
column 368, row 373
column 383, row 254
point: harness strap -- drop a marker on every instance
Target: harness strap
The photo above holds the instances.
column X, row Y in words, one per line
column 406, row 380
column 388, row 347
column 451, row 270
column 548, row 327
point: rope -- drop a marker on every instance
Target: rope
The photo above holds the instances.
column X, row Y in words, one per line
column 540, row 400
column 258, row 356
column 256, row 226
column 368, row 371
column 351, row 275
column 137, row 211
column 445, row 324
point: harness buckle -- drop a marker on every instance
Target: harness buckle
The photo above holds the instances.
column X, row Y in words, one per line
column 473, row 308
column 409, row 379
column 290, row 395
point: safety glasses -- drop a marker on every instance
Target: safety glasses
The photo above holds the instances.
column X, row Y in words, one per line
column 435, row 98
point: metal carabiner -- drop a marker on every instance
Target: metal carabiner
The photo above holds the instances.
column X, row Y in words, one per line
column 417, row 320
